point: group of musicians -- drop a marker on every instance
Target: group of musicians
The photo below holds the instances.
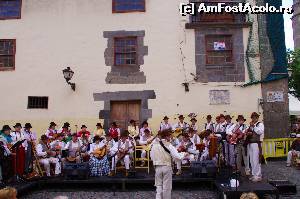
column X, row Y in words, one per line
column 222, row 141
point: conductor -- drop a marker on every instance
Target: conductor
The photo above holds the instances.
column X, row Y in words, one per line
column 161, row 154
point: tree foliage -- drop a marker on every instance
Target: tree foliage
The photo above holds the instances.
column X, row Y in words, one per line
column 293, row 58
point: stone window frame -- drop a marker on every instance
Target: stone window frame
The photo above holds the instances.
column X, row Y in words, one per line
column 234, row 72
column 130, row 74
column 216, row 36
column 129, row 10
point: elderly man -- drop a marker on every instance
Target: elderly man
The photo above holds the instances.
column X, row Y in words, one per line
column 161, row 154
column 47, row 156
column 295, row 150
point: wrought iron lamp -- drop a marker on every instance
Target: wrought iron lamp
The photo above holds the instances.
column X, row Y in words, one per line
column 68, row 74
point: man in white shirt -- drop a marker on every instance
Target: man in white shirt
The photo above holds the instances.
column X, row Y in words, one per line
column 47, row 156
column 256, row 135
column 229, row 148
column 30, row 141
column 51, row 131
column 161, row 154
column 180, row 126
column 236, row 135
column 144, row 141
column 209, row 124
column 75, row 147
column 124, row 151
column 165, row 124
column 193, row 124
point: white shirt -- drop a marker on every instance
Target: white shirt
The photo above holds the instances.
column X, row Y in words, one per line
column 144, row 140
column 49, row 132
column 56, row 143
column 221, row 127
column 75, row 145
column 259, row 129
column 123, row 145
column 95, row 146
column 142, row 131
column 209, row 126
column 40, row 152
column 165, row 126
column 195, row 128
column 195, row 139
column 234, row 127
column 183, row 125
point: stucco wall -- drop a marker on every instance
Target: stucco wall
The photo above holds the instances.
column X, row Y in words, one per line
column 55, row 34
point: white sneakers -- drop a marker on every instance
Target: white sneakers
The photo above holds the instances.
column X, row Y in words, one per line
column 255, row 179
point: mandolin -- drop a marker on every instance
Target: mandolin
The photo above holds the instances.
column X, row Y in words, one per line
column 100, row 152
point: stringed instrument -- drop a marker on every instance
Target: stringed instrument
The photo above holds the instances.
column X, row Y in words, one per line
column 184, row 147
column 200, row 147
column 100, row 152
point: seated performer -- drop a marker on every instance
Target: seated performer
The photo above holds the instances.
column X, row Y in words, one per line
column 114, row 131
column 58, row 145
column 186, row 146
column 99, row 130
column 133, row 129
column 74, row 147
column 194, row 137
column 6, row 167
column 145, row 126
column 19, row 160
column 99, row 164
column 165, row 124
column 144, row 141
column 236, row 134
column 47, row 156
column 51, row 132
column 124, row 151
column 111, row 145
column 206, row 141
column 209, row 124
column 295, row 150
column 84, row 137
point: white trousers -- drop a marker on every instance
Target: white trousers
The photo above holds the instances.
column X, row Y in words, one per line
column 290, row 156
column 46, row 163
column 163, row 182
column 253, row 151
column 116, row 159
column 143, row 154
column 187, row 159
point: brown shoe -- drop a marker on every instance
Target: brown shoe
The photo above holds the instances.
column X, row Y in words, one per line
column 126, row 173
column 111, row 173
column 179, row 172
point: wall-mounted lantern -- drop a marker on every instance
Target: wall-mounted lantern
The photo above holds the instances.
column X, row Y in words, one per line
column 68, row 74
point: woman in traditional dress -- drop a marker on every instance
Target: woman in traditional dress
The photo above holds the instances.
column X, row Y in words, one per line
column 99, row 165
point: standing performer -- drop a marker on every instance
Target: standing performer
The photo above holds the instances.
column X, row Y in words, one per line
column 99, row 165
column 229, row 148
column 47, row 156
column 186, row 146
column 209, row 124
column 65, row 129
column 255, row 136
column 133, row 129
column 84, row 131
column 99, row 130
column 19, row 160
column 181, row 126
column 29, row 145
column 6, row 167
column 145, row 126
column 114, row 131
column 74, row 147
column 51, row 132
column 85, row 138
column 124, row 151
column 165, row 124
column 193, row 124
column 236, row 137
column 161, row 154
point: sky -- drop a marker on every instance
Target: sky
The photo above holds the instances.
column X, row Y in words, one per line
column 288, row 26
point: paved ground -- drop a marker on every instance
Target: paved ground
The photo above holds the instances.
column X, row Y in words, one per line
column 273, row 170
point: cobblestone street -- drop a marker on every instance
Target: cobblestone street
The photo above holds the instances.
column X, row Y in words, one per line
column 275, row 170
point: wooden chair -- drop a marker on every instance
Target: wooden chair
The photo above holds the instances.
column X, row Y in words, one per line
column 139, row 159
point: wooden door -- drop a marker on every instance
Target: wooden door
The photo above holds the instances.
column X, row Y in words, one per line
column 124, row 111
